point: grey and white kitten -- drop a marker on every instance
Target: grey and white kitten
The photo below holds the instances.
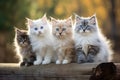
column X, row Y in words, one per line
column 23, row 48
column 90, row 44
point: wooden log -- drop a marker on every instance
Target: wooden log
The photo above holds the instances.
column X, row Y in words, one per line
column 71, row 71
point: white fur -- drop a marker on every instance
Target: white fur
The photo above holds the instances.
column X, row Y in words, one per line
column 91, row 39
column 41, row 44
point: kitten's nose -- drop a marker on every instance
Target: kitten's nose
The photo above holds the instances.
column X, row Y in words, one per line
column 83, row 30
column 39, row 32
column 60, row 33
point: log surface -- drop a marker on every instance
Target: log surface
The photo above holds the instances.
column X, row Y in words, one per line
column 71, row 71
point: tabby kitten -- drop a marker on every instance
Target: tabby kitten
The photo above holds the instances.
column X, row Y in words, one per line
column 23, row 48
column 63, row 38
column 91, row 45
column 41, row 40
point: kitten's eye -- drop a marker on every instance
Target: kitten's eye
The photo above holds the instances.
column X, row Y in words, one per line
column 36, row 28
column 88, row 28
column 57, row 29
column 63, row 29
column 80, row 25
column 41, row 27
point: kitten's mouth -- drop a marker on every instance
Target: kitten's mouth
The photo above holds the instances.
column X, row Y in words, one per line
column 84, row 31
column 39, row 33
column 23, row 44
column 60, row 36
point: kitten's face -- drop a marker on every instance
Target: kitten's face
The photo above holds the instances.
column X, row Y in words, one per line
column 38, row 27
column 85, row 25
column 22, row 38
column 61, row 28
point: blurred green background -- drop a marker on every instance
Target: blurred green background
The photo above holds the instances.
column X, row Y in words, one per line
column 13, row 13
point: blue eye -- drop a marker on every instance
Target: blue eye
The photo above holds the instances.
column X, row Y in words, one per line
column 63, row 29
column 36, row 28
column 57, row 29
column 41, row 27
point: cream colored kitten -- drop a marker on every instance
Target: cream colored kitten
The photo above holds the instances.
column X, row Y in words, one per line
column 63, row 40
column 41, row 40
column 91, row 45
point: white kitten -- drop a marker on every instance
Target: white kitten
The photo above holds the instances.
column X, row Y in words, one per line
column 87, row 33
column 41, row 40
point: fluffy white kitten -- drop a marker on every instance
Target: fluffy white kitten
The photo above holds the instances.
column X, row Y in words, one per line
column 40, row 36
column 87, row 33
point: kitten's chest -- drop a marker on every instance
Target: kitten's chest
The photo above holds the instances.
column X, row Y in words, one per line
column 38, row 44
column 60, row 44
column 86, row 40
column 25, row 51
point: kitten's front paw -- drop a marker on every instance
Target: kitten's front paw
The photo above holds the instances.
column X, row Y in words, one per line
column 29, row 64
column 37, row 62
column 65, row 62
column 22, row 64
column 58, row 62
column 46, row 62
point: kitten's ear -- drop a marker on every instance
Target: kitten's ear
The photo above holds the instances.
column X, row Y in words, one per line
column 77, row 18
column 44, row 19
column 69, row 21
column 18, row 31
column 53, row 20
column 29, row 21
column 93, row 19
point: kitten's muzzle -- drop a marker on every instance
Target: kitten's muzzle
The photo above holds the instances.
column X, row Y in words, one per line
column 83, row 30
column 39, row 32
column 60, row 33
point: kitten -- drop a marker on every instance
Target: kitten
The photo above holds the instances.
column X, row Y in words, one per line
column 41, row 40
column 62, row 34
column 90, row 44
column 23, row 47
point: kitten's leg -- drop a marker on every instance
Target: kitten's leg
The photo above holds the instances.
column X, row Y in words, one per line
column 48, row 56
column 39, row 56
column 68, row 56
column 38, row 59
column 60, row 56
column 23, row 62
column 92, row 51
column 31, row 59
column 80, row 55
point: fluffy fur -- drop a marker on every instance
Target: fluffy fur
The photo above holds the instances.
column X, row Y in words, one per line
column 41, row 40
column 63, row 38
column 87, row 33
column 23, row 48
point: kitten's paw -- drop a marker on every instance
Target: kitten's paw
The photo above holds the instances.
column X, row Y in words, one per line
column 58, row 62
column 65, row 62
column 46, row 62
column 37, row 62
column 22, row 64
